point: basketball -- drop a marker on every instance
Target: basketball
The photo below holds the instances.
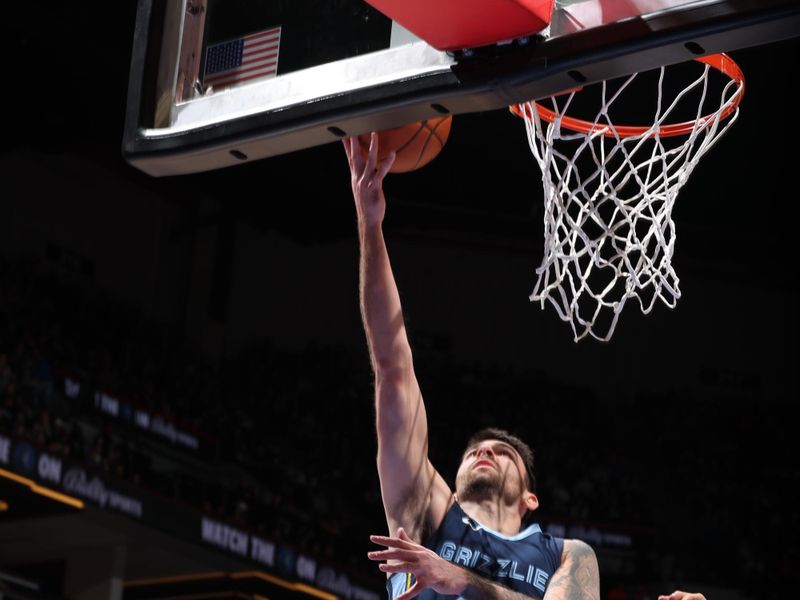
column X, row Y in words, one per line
column 415, row 145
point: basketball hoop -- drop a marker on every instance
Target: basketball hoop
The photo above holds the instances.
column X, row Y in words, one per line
column 609, row 190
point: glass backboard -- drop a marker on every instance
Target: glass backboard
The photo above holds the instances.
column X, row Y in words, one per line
column 215, row 83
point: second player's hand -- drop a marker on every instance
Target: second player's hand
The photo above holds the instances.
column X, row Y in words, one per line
column 429, row 569
column 678, row 595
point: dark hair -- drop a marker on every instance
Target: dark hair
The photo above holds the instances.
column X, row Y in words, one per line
column 492, row 433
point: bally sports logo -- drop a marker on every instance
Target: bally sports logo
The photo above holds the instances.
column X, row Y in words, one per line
column 77, row 482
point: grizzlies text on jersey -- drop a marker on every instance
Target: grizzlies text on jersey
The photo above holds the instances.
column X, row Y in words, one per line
column 524, row 562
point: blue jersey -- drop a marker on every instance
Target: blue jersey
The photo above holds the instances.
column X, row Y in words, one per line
column 524, row 562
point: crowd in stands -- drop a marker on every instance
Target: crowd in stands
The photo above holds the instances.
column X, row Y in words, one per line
column 703, row 482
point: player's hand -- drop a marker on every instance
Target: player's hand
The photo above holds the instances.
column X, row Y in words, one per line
column 366, row 177
column 678, row 595
column 429, row 569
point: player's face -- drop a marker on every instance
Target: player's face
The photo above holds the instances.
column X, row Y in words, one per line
column 491, row 467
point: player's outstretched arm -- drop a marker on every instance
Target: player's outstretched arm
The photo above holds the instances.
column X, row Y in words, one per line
column 412, row 490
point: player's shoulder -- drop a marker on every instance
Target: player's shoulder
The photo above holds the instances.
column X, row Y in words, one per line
column 578, row 551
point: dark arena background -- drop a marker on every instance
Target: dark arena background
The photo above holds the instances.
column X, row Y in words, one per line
column 186, row 403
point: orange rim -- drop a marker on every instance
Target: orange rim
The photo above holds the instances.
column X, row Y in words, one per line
column 721, row 62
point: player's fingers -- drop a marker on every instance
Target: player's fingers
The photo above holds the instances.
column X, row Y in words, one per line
column 348, row 147
column 353, row 150
column 391, row 542
column 372, row 155
column 401, row 567
column 393, row 554
column 411, row 592
column 356, row 156
column 386, row 164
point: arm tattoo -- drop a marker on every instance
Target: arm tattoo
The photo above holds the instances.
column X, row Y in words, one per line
column 578, row 578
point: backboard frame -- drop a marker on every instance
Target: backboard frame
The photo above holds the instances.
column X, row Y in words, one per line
column 426, row 82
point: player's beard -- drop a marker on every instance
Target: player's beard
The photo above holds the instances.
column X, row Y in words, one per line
column 480, row 487
column 484, row 485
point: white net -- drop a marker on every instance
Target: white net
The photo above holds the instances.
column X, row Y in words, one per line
column 609, row 194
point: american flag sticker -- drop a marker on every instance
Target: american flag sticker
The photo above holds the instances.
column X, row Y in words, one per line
column 254, row 56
